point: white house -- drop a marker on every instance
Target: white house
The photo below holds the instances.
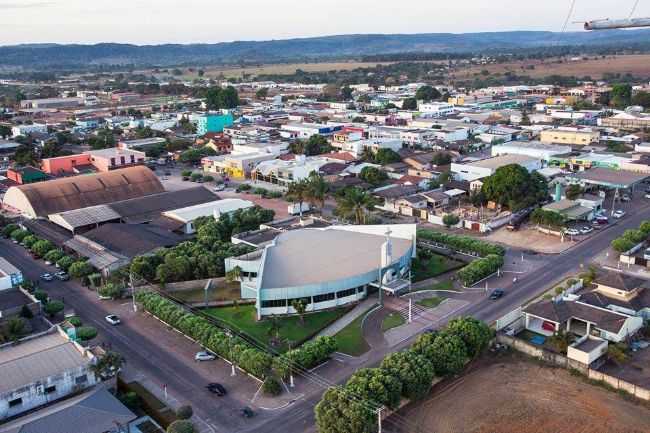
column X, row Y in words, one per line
column 37, row 128
column 436, row 109
column 217, row 208
column 474, row 170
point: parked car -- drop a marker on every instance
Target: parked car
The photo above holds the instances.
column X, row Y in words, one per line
column 572, row 232
column 204, row 356
column 647, row 195
column 220, row 187
column 586, row 230
column 619, row 214
column 216, row 388
column 247, row 412
column 496, row 294
column 113, row 319
column 47, row 277
column 646, row 254
column 625, row 197
column 62, row 275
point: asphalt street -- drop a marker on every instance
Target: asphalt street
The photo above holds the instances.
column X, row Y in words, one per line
column 185, row 381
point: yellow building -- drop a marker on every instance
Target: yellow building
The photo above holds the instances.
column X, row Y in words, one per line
column 570, row 136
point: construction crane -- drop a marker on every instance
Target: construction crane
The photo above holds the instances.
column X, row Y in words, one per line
column 608, row 24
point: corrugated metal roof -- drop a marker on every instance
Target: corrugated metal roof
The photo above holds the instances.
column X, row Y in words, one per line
column 84, row 217
column 37, row 359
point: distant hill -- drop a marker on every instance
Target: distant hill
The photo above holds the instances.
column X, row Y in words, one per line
column 35, row 56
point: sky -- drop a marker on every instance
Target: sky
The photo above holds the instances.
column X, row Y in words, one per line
column 209, row 21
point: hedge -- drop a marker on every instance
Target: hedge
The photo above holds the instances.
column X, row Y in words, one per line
column 233, row 348
column 463, row 244
column 479, row 269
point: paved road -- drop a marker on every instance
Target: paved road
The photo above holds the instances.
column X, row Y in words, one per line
column 300, row 417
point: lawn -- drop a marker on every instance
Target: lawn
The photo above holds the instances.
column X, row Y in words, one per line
column 229, row 292
column 291, row 329
column 350, row 339
column 431, row 302
column 393, row 320
column 428, row 265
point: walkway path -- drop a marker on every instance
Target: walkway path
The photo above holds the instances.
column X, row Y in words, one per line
column 350, row 317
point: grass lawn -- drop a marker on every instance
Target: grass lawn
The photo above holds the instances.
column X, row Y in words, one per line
column 431, row 302
column 393, row 320
column 429, row 265
column 350, row 339
column 443, row 285
column 229, row 292
column 243, row 319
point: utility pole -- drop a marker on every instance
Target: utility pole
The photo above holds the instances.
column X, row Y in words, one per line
column 379, row 419
column 135, row 306
column 410, row 310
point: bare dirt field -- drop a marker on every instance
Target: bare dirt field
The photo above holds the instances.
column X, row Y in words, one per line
column 514, row 395
column 531, row 239
column 638, row 65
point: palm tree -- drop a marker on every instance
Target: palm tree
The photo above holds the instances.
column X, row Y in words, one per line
column 317, row 190
column 300, row 306
column 355, row 201
column 298, row 193
column 233, row 275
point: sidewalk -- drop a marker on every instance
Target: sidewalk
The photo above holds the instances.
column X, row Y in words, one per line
column 350, row 317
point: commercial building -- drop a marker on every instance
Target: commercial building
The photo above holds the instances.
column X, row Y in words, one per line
column 10, row 276
column 41, row 370
column 326, row 267
column 34, row 128
column 243, row 159
column 533, row 149
column 46, row 103
column 25, row 175
column 284, row 172
column 213, row 122
column 470, row 171
column 102, row 160
column 306, row 130
column 436, row 109
column 187, row 215
column 570, row 136
column 626, row 121
column 44, row 198
column 141, row 144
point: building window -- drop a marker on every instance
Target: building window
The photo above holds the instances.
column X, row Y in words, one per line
column 325, row 297
column 50, row 389
column 122, row 160
column 81, row 379
column 112, row 161
column 132, row 159
column 346, row 293
column 15, row 402
column 275, row 303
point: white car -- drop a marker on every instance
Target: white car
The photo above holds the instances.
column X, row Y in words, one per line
column 204, row 356
column 586, row 230
column 619, row 213
column 572, row 232
column 646, row 254
column 113, row 319
column 647, row 195
column 220, row 187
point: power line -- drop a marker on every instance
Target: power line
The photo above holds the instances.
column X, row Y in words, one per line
column 636, row 3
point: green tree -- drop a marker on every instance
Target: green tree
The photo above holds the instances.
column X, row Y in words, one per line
column 621, row 95
column 316, row 145
column 86, row 333
column 427, row 94
column 410, row 104
column 298, row 193
column 184, row 412
column 300, row 305
column 108, row 365
column 373, row 175
column 80, row 269
column 447, row 353
column 375, row 386
column 218, row 98
column 29, row 241
column 262, row 93
column 42, row 247
column 386, row 156
column 475, row 334
column 19, row 234
column 354, row 202
column 450, row 219
column 573, row 191
column 110, row 290
column 441, row 158
column 53, row 308
column 53, row 255
column 317, row 190
column 346, row 93
column 338, row 412
column 512, row 185
column 181, row 426
column 642, row 99
column 414, row 371
column 16, row 328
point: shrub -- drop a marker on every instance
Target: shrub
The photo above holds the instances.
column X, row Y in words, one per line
column 186, row 173
column 41, row 295
column 30, row 240
column 184, row 412
column 244, row 187
column 26, row 313
column 131, row 400
column 80, row 269
column 272, row 386
column 181, row 426
column 19, row 235
column 309, row 355
column 461, row 243
column 86, row 333
column 110, row 290
column 208, row 178
column 9, row 229
column 53, row 308
column 53, row 256
column 65, row 262
column 75, row 321
column 42, row 247
column 479, row 269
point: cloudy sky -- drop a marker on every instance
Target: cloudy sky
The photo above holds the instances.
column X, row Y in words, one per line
column 187, row 21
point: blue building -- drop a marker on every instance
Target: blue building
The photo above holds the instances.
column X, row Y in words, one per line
column 326, row 267
column 213, row 122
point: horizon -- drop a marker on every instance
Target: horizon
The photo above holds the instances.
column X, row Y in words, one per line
column 29, row 22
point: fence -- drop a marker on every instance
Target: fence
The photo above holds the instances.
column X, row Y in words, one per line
column 563, row 361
